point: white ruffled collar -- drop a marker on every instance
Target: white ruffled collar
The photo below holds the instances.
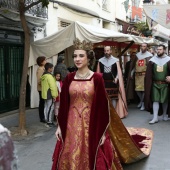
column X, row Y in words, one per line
column 141, row 55
column 108, row 61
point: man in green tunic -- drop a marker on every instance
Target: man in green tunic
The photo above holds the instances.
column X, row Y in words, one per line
column 156, row 83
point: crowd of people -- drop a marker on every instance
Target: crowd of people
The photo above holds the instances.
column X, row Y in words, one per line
column 147, row 75
column 89, row 104
column 49, row 85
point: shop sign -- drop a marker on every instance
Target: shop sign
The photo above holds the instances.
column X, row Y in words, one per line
column 133, row 31
column 129, row 29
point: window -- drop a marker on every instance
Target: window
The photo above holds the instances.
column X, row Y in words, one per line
column 63, row 24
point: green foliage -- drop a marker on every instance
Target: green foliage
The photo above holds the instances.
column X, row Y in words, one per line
column 144, row 28
column 34, row 3
column 44, row 3
column 141, row 26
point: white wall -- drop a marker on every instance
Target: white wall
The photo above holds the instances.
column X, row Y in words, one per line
column 52, row 24
column 115, row 8
column 120, row 10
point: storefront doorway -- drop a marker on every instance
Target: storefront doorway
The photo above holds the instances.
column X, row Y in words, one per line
column 11, row 62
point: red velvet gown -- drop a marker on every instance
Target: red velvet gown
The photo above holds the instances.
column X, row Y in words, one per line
column 75, row 154
column 84, row 117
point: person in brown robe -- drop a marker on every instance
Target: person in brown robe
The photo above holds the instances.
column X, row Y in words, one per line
column 110, row 68
column 130, row 78
column 143, row 58
column 156, row 85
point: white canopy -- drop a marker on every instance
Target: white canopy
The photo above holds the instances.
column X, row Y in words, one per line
column 159, row 14
column 63, row 39
column 52, row 45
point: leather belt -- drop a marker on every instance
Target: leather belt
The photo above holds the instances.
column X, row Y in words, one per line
column 140, row 73
column 160, row 82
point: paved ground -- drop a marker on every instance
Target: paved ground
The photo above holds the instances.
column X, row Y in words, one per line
column 159, row 157
column 35, row 150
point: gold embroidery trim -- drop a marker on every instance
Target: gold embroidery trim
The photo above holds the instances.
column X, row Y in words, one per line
column 160, row 68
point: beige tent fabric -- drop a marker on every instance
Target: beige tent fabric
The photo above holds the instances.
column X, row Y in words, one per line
column 63, row 40
column 52, row 45
column 159, row 14
column 150, row 41
column 97, row 34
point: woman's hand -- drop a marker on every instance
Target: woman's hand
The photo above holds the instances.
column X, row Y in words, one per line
column 116, row 80
column 103, row 140
column 58, row 133
column 168, row 79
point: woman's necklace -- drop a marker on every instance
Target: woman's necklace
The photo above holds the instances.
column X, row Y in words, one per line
column 83, row 77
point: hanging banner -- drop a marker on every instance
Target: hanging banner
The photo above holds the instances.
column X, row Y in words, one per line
column 159, row 14
column 136, row 13
column 126, row 5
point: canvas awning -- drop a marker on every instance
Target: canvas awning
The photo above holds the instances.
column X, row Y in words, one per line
column 63, row 39
column 52, row 45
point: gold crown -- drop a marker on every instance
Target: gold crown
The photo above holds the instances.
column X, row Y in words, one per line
column 84, row 45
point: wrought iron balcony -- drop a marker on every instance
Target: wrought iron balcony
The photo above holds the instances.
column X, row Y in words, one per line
column 37, row 10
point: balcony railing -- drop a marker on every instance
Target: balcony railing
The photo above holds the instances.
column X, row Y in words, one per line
column 37, row 10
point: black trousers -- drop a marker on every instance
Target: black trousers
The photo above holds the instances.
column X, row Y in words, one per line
column 41, row 107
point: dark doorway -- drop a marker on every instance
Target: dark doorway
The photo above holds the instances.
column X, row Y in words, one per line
column 11, row 63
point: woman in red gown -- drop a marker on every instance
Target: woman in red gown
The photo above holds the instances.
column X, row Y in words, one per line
column 90, row 134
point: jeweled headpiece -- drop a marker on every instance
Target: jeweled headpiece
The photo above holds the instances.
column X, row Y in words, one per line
column 84, row 45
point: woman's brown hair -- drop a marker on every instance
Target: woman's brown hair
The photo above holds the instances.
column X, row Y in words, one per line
column 40, row 59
